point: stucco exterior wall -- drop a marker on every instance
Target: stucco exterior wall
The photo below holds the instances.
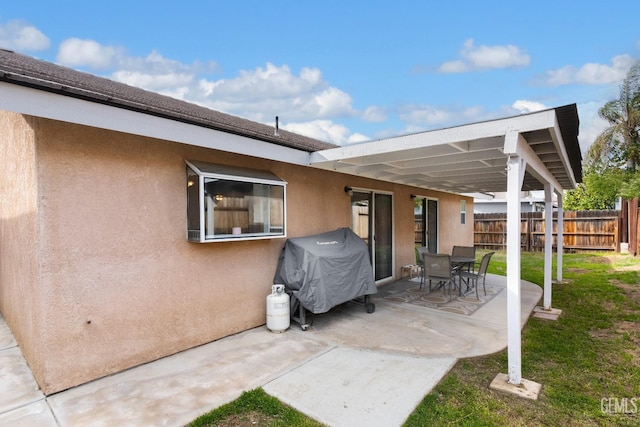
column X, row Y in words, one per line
column 19, row 291
column 117, row 284
column 452, row 231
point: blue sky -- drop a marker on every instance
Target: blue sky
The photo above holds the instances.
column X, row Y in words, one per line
column 346, row 71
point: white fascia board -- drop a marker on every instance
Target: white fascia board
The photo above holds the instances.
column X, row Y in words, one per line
column 494, row 128
column 556, row 134
column 48, row 105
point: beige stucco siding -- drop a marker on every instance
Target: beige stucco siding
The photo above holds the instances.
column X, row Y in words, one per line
column 20, row 301
column 116, row 284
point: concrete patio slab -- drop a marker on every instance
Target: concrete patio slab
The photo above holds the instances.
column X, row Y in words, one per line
column 352, row 387
column 348, row 367
column 174, row 390
column 6, row 337
column 37, row 414
column 17, row 385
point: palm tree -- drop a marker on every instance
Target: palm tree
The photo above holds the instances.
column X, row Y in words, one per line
column 619, row 144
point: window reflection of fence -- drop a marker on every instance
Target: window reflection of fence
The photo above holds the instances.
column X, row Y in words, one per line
column 360, row 221
column 417, row 228
column 582, row 230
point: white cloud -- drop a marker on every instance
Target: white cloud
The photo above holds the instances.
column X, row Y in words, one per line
column 332, row 102
column 421, row 117
column 265, row 92
column 374, row 114
column 473, row 58
column 354, row 138
column 325, row 130
column 524, row 106
column 591, row 125
column 76, row 52
column 270, row 81
column 304, row 100
column 153, row 72
column 157, row 73
column 425, row 114
column 590, row 73
column 20, row 36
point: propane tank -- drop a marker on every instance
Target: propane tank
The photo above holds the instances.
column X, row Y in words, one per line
column 278, row 315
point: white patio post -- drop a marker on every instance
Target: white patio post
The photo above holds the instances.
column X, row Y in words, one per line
column 515, row 146
column 548, row 244
column 560, row 244
column 515, row 177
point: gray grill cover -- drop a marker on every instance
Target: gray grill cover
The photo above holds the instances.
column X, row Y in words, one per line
column 325, row 270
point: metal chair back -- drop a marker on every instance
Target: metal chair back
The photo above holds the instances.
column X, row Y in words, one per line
column 464, row 251
column 437, row 266
column 481, row 274
column 484, row 264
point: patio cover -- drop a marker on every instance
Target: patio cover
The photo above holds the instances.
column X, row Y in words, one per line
column 535, row 151
column 470, row 158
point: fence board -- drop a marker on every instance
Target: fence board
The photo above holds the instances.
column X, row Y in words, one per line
column 583, row 230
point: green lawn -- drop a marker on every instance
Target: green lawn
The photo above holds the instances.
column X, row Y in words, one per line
column 588, row 361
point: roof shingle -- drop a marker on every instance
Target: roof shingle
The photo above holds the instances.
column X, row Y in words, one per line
column 27, row 71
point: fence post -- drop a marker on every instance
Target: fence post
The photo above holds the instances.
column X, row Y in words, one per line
column 633, row 226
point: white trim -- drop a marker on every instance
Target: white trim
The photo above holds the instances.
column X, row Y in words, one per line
column 39, row 103
column 556, row 135
column 539, row 120
column 233, row 175
column 242, row 175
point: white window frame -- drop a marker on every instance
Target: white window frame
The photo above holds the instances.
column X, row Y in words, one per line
column 228, row 173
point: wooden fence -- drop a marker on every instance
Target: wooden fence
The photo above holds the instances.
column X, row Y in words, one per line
column 582, row 230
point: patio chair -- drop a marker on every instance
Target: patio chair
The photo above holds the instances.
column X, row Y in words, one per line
column 437, row 267
column 419, row 253
column 474, row 278
column 465, row 252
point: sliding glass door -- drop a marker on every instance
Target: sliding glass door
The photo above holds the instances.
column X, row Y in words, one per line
column 372, row 220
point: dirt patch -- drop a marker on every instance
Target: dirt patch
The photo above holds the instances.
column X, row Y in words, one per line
column 632, row 294
column 631, row 291
column 630, row 330
column 577, row 270
column 246, row 419
column 628, row 268
column 600, row 333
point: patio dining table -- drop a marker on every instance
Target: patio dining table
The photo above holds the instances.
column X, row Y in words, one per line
column 457, row 263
